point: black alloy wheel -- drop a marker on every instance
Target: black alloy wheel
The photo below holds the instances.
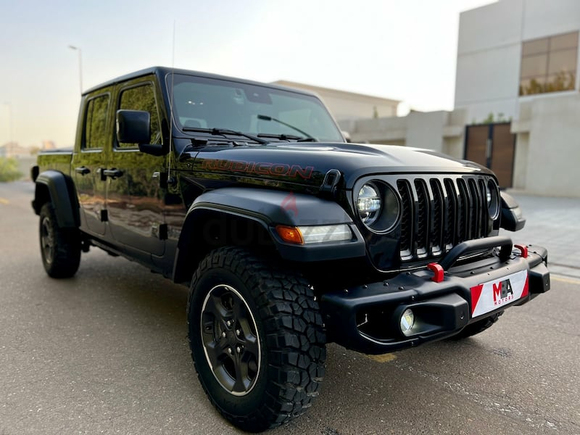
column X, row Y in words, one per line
column 47, row 239
column 230, row 339
column 256, row 337
column 60, row 248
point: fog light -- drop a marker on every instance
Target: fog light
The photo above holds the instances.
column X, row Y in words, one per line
column 407, row 322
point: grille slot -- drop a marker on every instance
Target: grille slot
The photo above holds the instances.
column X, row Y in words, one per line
column 422, row 219
column 406, row 219
column 437, row 217
column 439, row 213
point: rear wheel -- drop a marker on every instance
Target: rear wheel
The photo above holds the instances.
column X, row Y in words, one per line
column 256, row 337
column 60, row 248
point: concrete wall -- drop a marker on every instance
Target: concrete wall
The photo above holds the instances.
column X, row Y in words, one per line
column 489, row 51
column 549, row 17
column 488, row 58
column 488, row 69
column 440, row 131
column 349, row 105
column 352, row 108
column 548, row 146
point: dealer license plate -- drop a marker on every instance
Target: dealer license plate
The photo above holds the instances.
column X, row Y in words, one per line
column 492, row 295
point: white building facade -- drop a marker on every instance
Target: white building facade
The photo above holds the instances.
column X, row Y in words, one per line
column 517, row 99
column 511, row 51
column 519, row 60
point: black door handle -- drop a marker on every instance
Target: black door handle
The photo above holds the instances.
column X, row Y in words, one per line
column 113, row 173
column 83, row 170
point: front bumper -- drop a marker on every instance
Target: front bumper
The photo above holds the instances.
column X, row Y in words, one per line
column 366, row 318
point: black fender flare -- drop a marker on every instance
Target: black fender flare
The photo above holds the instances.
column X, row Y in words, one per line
column 59, row 189
column 264, row 209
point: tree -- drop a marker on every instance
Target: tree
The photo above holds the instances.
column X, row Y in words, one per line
column 9, row 169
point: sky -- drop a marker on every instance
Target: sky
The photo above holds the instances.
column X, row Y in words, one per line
column 400, row 49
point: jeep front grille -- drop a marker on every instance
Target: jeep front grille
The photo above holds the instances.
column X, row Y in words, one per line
column 439, row 213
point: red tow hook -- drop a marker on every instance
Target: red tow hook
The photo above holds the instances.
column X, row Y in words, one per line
column 523, row 250
column 438, row 272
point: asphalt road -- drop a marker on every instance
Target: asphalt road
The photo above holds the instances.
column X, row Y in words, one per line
column 106, row 352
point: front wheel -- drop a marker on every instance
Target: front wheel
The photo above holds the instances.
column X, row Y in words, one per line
column 256, row 337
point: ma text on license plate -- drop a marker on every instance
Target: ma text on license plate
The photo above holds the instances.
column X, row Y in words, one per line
column 494, row 294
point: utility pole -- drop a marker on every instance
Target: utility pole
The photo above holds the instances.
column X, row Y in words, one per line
column 80, row 52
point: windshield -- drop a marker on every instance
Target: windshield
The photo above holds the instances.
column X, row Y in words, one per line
column 205, row 103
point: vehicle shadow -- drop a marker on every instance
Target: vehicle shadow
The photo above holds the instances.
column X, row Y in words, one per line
column 360, row 394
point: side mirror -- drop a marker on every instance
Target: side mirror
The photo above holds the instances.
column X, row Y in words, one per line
column 133, row 126
column 512, row 218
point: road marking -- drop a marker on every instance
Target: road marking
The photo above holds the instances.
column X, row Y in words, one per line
column 566, row 280
column 388, row 357
column 4, row 201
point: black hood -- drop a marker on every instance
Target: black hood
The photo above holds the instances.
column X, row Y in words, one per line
column 307, row 163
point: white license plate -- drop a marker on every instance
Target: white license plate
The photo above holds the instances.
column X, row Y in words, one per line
column 494, row 294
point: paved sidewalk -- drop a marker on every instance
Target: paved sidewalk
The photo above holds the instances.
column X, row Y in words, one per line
column 555, row 224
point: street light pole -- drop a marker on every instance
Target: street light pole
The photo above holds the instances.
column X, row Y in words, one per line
column 72, row 47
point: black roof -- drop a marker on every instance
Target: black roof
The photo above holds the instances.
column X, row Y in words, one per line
column 162, row 71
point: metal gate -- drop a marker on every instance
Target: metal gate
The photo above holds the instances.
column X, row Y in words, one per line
column 493, row 146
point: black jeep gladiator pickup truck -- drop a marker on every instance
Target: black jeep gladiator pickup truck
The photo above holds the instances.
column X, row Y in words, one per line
column 287, row 236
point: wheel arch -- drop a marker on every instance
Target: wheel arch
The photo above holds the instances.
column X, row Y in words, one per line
column 207, row 228
column 246, row 217
column 57, row 188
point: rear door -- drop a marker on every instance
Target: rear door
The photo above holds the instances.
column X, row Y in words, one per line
column 88, row 159
column 134, row 195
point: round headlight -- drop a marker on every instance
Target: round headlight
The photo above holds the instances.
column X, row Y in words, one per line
column 378, row 206
column 487, row 194
column 492, row 198
column 368, row 204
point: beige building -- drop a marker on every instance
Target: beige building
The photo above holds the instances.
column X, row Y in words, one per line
column 517, row 100
column 48, row 145
column 520, row 59
column 12, row 149
column 349, row 105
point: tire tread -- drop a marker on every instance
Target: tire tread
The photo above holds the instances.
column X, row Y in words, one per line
column 294, row 332
column 67, row 249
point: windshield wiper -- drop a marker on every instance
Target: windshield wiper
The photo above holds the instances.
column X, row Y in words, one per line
column 269, row 118
column 224, row 131
column 288, row 137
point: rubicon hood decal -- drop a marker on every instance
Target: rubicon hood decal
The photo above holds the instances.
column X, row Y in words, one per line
column 259, row 168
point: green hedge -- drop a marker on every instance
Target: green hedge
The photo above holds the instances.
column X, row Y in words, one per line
column 9, row 169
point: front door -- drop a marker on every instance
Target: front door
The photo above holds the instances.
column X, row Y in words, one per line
column 134, row 195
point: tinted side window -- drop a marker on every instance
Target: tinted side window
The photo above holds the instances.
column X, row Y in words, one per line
column 96, row 123
column 141, row 98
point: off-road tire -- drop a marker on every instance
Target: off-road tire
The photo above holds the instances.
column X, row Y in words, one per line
column 287, row 325
column 477, row 327
column 60, row 248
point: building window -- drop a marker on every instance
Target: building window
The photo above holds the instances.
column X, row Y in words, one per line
column 549, row 64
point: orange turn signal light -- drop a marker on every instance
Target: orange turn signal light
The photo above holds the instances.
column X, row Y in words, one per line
column 290, row 234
